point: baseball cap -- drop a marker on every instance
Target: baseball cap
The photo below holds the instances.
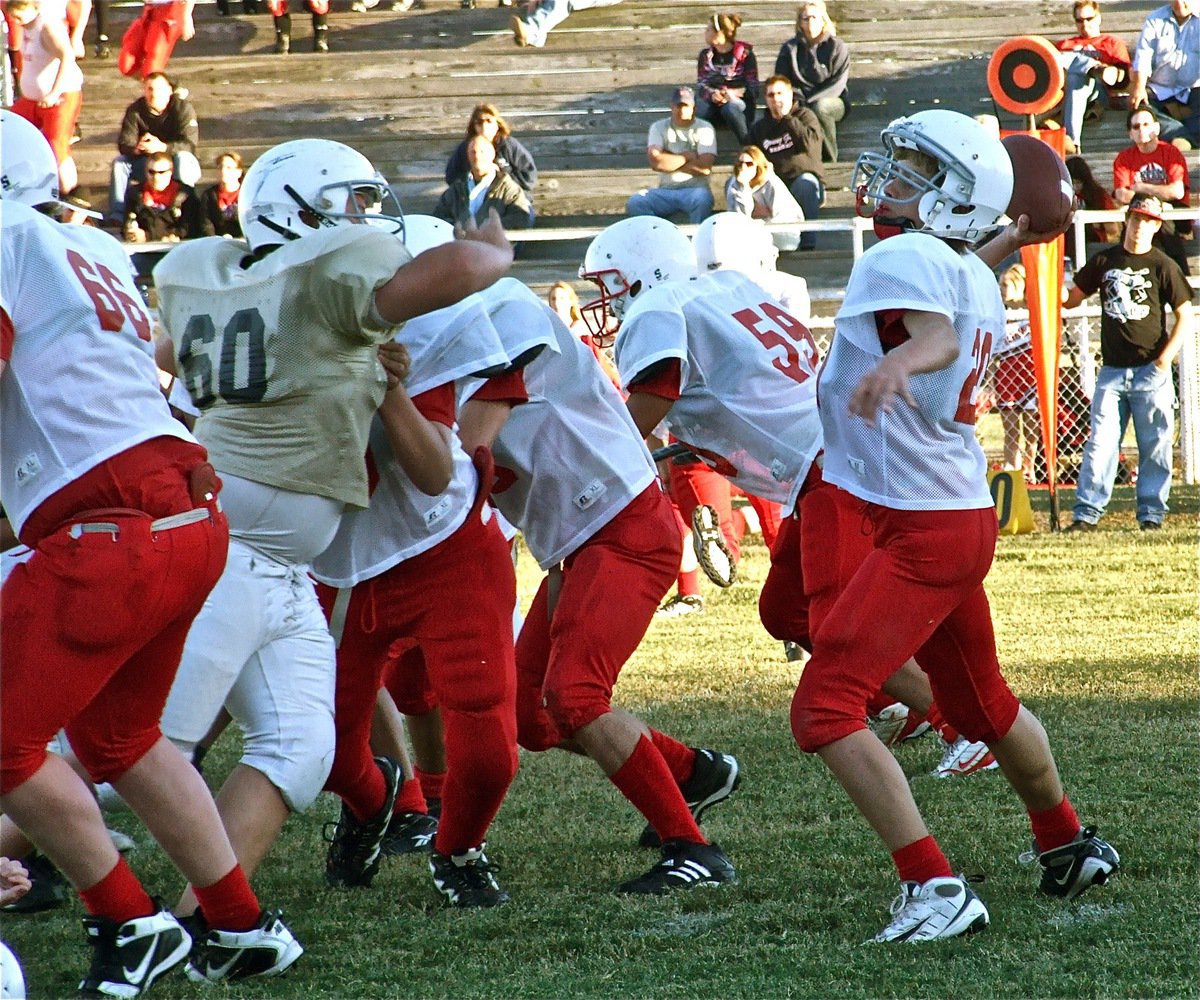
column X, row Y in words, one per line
column 1147, row 205
column 682, row 95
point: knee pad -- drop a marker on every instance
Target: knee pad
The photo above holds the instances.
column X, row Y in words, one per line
column 19, row 765
column 110, row 760
column 295, row 763
column 819, row 717
column 573, row 708
column 784, row 614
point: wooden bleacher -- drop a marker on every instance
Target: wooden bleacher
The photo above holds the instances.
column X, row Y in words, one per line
column 400, row 87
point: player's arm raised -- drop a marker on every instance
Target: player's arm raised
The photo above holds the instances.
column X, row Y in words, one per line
column 421, row 445
column 445, row 274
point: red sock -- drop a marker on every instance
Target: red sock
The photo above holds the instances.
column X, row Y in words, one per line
column 688, row 583
column 940, row 725
column 431, row 784
column 646, row 781
column 370, row 794
column 1054, row 827
column 229, row 904
column 921, row 860
column 410, row 798
column 118, row 896
column 680, row 759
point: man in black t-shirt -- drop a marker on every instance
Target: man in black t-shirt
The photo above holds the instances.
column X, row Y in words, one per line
column 789, row 135
column 1136, row 282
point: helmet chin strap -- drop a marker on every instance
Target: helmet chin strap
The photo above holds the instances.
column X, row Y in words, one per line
column 887, row 226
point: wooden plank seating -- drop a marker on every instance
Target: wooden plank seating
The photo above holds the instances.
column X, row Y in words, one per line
column 401, row 86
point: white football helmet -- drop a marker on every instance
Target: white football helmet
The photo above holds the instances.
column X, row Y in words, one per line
column 28, row 170
column 731, row 241
column 966, row 196
column 424, row 232
column 629, row 257
column 299, row 187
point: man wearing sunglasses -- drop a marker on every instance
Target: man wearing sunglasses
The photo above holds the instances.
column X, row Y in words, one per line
column 161, row 208
column 1095, row 64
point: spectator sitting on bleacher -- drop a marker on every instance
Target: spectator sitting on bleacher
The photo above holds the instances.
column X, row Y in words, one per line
column 756, row 191
column 1095, row 65
column 484, row 187
column 162, row 120
column 1166, row 70
column 511, row 157
column 726, row 76
column 1155, row 168
column 817, row 63
column 682, row 151
column 217, row 214
column 790, row 137
column 1092, row 196
column 161, row 208
column 541, row 16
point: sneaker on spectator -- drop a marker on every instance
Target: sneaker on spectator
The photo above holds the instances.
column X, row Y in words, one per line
column 267, row 949
column 1069, row 870
column 681, row 604
column 409, row 832
column 522, row 36
column 355, row 846
column 939, row 908
column 684, row 865
column 712, row 551
column 128, row 957
column 467, row 879
column 715, row 778
column 962, row 757
column 400, row 6
column 102, row 49
column 48, row 890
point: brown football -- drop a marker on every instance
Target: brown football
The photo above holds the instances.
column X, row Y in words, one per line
column 1041, row 185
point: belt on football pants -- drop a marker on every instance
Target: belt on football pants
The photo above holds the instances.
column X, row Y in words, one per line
column 182, row 520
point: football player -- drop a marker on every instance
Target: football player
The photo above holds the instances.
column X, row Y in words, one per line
column 119, row 504
column 897, row 405
column 596, row 519
column 395, row 581
column 276, row 339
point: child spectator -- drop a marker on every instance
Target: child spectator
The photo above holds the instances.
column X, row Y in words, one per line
column 218, row 213
column 1013, row 380
column 726, row 76
column 565, row 303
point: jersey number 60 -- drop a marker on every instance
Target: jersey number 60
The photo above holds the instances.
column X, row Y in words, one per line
column 241, row 359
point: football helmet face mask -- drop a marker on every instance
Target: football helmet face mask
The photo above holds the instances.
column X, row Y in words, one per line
column 628, row 258
column 28, row 170
column 730, row 241
column 300, row 187
column 968, row 193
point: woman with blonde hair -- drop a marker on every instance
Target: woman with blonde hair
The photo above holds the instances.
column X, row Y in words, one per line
column 565, row 302
column 757, row 191
column 511, row 157
column 818, row 64
column 726, row 76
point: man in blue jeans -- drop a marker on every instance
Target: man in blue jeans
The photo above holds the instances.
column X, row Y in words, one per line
column 681, row 150
column 1136, row 282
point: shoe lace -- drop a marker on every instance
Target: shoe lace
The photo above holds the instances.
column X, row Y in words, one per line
column 477, row 874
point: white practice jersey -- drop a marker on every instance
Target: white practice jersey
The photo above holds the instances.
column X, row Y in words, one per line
column 748, row 382
column 279, row 353
column 401, row 521
column 80, row 384
column 571, row 459
column 789, row 290
column 912, row 459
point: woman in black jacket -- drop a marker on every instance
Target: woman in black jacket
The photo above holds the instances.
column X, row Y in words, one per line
column 818, row 64
column 511, row 157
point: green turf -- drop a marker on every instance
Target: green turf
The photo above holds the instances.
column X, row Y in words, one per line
column 1098, row 635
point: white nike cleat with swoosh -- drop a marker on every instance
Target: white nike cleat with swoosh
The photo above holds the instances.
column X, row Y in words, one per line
column 1072, row 868
column 128, row 957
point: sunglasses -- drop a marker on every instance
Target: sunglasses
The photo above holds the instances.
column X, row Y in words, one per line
column 1085, row 20
column 745, row 163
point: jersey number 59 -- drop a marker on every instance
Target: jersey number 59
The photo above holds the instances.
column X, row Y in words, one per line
column 776, row 328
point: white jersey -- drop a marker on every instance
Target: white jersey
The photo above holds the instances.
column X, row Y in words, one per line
column 401, row 521
column 748, row 382
column 912, row 459
column 570, row 459
column 80, row 384
column 789, row 290
column 279, row 353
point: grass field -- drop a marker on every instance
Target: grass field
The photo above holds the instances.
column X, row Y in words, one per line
column 1099, row 637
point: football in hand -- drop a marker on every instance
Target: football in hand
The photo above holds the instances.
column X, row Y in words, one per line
column 1041, row 185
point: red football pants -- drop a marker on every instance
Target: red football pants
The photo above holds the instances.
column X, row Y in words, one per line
column 454, row 604
column 57, row 124
column 568, row 659
column 92, row 625
column 696, row 484
column 148, row 42
column 919, row 592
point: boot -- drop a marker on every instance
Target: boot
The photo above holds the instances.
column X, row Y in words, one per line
column 283, row 34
